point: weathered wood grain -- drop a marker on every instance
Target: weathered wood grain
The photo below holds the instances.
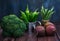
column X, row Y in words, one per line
column 33, row 37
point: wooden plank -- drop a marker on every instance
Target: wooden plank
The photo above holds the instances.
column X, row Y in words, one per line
column 34, row 38
column 52, row 38
column 42, row 39
column 23, row 38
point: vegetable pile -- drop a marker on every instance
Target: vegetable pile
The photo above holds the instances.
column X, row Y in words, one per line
column 13, row 26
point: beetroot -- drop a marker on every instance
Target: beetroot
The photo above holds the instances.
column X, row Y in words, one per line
column 50, row 29
column 40, row 30
column 48, row 23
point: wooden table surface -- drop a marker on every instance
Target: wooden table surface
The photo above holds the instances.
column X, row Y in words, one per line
column 45, row 38
column 32, row 37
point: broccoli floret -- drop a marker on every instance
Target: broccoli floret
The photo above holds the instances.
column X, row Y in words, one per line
column 13, row 25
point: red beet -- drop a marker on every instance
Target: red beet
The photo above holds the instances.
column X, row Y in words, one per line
column 50, row 29
column 48, row 23
column 40, row 30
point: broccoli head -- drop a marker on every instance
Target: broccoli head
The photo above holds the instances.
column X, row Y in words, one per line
column 13, row 26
